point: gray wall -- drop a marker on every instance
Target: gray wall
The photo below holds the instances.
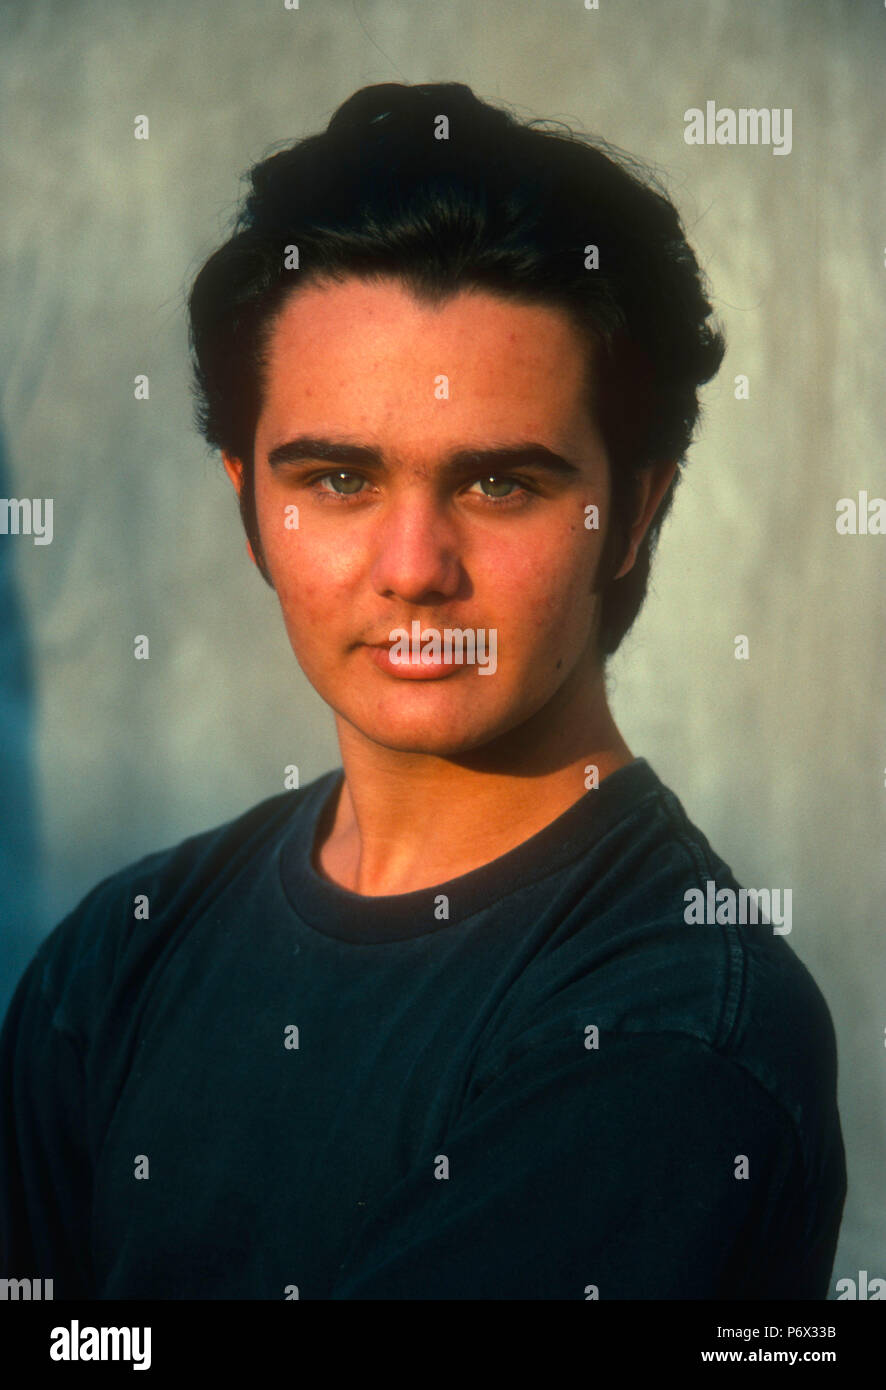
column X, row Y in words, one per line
column 781, row 759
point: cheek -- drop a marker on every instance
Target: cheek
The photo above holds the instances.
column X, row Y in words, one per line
column 309, row 564
column 310, row 601
column 551, row 587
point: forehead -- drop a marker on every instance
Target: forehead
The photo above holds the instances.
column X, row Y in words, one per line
column 370, row 357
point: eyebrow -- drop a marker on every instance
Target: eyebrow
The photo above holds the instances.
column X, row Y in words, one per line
column 523, row 455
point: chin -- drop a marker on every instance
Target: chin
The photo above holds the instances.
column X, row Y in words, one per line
column 437, row 743
column 440, row 732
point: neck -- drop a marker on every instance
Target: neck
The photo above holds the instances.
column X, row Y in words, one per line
column 375, row 840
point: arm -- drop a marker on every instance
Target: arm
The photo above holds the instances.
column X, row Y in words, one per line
column 613, row 1168
column 45, row 1172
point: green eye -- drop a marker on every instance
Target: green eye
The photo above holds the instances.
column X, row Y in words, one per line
column 348, row 478
column 496, row 483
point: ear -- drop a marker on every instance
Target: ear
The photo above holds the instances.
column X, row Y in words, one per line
column 234, row 470
column 652, row 486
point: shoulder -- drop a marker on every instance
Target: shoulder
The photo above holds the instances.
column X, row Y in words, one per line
column 723, row 969
column 81, row 960
column 626, row 961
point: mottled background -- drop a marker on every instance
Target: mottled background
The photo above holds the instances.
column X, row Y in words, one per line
column 780, row 759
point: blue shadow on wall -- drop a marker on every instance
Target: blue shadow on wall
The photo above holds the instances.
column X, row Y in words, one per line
column 20, row 931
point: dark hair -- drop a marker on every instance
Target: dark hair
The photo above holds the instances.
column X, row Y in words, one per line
column 499, row 205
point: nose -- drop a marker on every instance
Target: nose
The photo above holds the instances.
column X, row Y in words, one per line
column 417, row 553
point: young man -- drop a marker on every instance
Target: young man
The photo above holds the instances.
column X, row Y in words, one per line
column 440, row 1024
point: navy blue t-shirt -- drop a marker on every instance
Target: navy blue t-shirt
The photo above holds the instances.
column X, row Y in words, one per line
column 534, row 1081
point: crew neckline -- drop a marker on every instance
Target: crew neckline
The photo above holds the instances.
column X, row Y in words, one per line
column 337, row 912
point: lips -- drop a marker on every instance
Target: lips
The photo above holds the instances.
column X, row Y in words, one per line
column 411, row 670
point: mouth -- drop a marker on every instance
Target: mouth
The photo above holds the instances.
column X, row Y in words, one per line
column 414, row 668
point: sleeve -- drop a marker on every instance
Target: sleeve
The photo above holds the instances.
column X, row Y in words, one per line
column 45, row 1172
column 652, row 1168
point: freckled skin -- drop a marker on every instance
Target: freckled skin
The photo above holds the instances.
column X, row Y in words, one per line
column 357, row 362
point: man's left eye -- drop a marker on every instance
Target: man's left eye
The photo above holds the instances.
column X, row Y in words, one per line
column 497, row 483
